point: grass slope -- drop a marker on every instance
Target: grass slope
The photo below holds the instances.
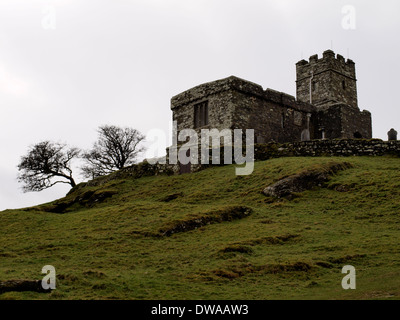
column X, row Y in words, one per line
column 228, row 240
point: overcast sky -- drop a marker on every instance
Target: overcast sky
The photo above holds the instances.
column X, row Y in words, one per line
column 68, row 66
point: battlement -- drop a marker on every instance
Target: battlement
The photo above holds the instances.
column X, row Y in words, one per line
column 328, row 62
column 326, row 80
column 327, row 56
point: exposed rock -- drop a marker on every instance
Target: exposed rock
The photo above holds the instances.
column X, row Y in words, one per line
column 234, row 272
column 226, row 214
column 304, row 181
column 22, row 285
column 86, row 199
column 171, row 197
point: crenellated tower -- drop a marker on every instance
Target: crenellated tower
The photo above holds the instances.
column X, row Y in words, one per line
column 326, row 81
column 330, row 85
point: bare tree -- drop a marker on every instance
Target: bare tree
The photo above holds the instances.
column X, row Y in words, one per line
column 46, row 164
column 115, row 149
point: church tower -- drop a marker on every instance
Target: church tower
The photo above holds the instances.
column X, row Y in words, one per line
column 327, row 81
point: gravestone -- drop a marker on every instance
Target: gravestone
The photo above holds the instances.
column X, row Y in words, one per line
column 305, row 135
column 392, row 135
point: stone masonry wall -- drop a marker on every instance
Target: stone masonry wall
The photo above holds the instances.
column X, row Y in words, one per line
column 355, row 124
column 329, row 118
column 271, row 118
column 342, row 147
column 234, row 103
column 219, row 95
column 334, row 80
column 220, row 111
column 343, row 121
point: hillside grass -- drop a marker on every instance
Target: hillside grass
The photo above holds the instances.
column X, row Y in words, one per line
column 117, row 248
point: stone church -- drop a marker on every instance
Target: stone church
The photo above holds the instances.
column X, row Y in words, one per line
column 325, row 106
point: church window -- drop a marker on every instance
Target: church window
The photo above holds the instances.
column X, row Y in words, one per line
column 314, row 86
column 201, row 114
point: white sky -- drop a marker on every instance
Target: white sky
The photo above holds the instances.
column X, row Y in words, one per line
column 120, row 62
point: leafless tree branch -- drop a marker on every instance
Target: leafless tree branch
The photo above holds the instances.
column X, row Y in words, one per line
column 45, row 162
column 115, row 149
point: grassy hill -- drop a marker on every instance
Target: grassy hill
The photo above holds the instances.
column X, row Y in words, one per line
column 214, row 235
